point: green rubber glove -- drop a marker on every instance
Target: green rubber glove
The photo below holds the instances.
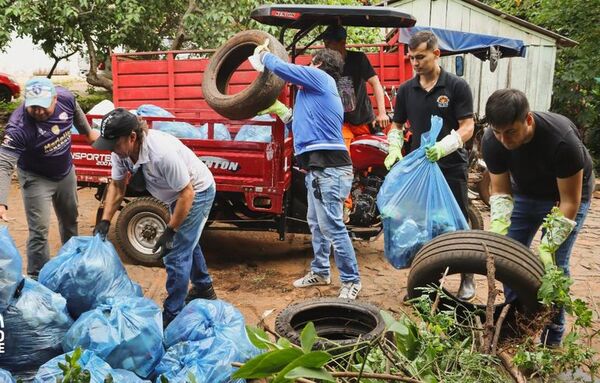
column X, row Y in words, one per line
column 501, row 207
column 279, row 109
column 447, row 145
column 558, row 227
column 395, row 141
column 435, row 152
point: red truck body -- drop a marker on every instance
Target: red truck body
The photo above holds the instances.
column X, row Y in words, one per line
column 261, row 172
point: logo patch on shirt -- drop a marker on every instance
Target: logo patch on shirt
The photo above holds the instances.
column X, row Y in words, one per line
column 443, row 101
column 55, row 129
column 63, row 116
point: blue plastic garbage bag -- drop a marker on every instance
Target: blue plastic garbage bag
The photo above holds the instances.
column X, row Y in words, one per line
column 87, row 271
column 6, row 377
column 416, row 203
column 98, row 369
column 202, row 319
column 178, row 129
column 221, row 132
column 10, row 268
column 257, row 133
column 125, row 332
column 208, row 360
column 35, row 324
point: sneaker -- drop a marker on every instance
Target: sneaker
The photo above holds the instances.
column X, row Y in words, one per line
column 350, row 290
column 312, row 279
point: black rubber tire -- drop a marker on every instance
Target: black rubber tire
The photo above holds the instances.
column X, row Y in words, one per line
column 140, row 214
column 484, row 188
column 475, row 218
column 259, row 95
column 338, row 322
column 5, row 94
column 462, row 252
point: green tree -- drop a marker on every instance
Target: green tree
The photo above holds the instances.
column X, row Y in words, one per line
column 576, row 89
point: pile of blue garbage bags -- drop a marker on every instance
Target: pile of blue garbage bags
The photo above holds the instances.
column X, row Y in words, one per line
column 85, row 301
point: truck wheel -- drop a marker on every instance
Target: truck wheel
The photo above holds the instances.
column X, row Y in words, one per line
column 5, row 94
column 259, row 95
column 139, row 225
column 475, row 218
column 463, row 252
column 338, row 322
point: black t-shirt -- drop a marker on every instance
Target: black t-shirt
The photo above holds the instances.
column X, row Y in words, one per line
column 450, row 99
column 321, row 159
column 555, row 151
column 353, row 89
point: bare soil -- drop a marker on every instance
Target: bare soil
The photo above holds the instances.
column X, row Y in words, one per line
column 254, row 271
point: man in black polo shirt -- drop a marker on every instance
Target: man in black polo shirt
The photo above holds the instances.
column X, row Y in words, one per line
column 536, row 161
column 434, row 91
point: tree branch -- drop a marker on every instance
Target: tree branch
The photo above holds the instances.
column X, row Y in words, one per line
column 492, row 293
column 180, row 35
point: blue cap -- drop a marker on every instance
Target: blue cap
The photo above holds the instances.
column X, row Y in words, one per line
column 335, row 33
column 39, row 91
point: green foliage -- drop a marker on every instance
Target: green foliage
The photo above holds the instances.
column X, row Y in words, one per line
column 88, row 100
column 576, row 93
column 72, row 372
column 284, row 361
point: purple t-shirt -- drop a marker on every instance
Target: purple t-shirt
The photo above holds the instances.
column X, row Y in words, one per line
column 43, row 148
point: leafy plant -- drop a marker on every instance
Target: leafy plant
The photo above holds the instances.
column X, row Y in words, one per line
column 72, row 372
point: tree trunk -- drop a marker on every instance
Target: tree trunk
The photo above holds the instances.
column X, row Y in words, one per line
column 180, row 37
column 92, row 77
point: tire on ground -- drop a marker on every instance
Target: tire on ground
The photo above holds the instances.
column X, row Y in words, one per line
column 5, row 94
column 463, row 252
column 338, row 322
column 475, row 218
column 139, row 225
column 259, row 95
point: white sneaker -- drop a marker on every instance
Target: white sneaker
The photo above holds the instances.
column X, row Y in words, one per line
column 350, row 290
column 312, row 279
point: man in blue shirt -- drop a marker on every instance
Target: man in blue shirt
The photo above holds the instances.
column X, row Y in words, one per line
column 320, row 150
column 37, row 140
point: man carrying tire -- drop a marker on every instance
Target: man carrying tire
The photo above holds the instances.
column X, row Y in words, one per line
column 37, row 140
column 536, row 162
column 431, row 92
column 173, row 174
column 320, row 150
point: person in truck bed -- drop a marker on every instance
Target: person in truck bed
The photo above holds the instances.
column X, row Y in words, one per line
column 37, row 140
column 320, row 150
column 173, row 174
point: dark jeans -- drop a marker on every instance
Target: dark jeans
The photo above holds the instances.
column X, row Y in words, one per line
column 527, row 217
column 456, row 178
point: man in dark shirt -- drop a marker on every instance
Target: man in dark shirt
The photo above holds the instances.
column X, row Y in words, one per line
column 37, row 140
column 435, row 92
column 536, row 161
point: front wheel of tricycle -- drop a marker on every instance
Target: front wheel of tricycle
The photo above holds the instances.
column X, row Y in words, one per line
column 140, row 223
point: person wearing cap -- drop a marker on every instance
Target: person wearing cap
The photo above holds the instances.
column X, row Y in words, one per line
column 359, row 116
column 320, row 152
column 173, row 174
column 37, row 140
column 435, row 92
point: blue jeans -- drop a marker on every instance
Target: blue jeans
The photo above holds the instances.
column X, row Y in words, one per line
column 327, row 189
column 527, row 217
column 185, row 261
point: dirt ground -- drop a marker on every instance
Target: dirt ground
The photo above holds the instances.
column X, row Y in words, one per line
column 254, row 271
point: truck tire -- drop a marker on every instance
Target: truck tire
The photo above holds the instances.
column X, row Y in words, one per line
column 338, row 322
column 462, row 251
column 5, row 94
column 139, row 225
column 475, row 218
column 261, row 93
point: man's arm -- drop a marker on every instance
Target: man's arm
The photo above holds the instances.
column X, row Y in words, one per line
column 466, row 127
column 570, row 194
column 182, row 207
column 382, row 117
column 114, row 197
column 310, row 78
column 83, row 127
column 500, row 183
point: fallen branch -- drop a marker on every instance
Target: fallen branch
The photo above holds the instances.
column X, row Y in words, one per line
column 492, row 293
column 499, row 323
column 436, row 302
column 511, row 368
column 301, row 380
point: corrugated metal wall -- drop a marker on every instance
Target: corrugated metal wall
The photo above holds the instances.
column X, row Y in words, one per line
column 533, row 74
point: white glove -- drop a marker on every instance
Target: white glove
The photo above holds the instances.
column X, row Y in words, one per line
column 255, row 59
column 447, row 145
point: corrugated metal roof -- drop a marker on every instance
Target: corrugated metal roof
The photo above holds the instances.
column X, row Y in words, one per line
column 560, row 40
